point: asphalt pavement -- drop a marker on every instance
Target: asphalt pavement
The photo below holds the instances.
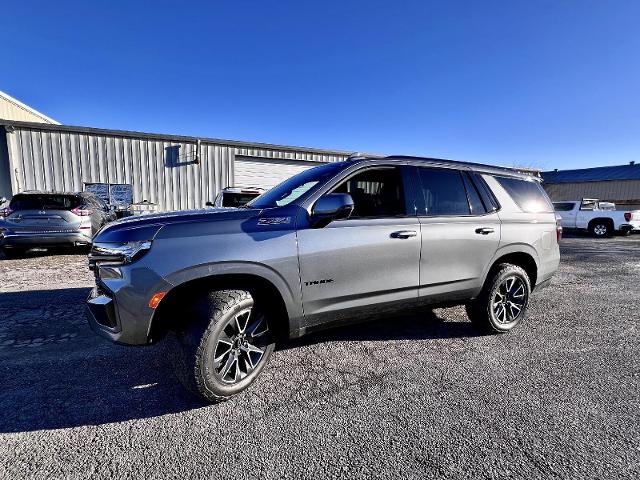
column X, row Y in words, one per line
column 421, row 396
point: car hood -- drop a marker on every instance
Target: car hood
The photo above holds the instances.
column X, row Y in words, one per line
column 145, row 227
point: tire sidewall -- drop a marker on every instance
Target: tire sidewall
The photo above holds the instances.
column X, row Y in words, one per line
column 500, row 277
column 205, row 369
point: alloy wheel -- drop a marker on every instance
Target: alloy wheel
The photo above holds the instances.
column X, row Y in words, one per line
column 509, row 300
column 241, row 346
column 600, row 230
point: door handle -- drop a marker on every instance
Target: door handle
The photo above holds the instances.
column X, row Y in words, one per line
column 484, row 231
column 404, row 234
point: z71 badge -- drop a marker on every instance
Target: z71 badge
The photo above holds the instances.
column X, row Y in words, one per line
column 274, row 221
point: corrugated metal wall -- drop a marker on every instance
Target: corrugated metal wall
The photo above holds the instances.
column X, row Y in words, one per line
column 267, row 172
column 617, row 191
column 163, row 172
column 170, row 171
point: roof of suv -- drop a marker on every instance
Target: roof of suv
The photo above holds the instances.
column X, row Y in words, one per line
column 478, row 167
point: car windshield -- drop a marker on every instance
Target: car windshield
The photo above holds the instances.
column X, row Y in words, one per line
column 295, row 187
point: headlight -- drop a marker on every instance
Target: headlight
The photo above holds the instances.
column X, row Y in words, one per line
column 117, row 253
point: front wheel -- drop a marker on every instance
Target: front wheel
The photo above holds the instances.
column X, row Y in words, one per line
column 226, row 347
column 503, row 302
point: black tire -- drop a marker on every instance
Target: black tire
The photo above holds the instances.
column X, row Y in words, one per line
column 492, row 316
column 600, row 228
column 205, row 338
column 13, row 253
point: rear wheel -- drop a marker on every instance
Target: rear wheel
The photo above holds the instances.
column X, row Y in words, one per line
column 226, row 347
column 13, row 253
column 600, row 229
column 503, row 302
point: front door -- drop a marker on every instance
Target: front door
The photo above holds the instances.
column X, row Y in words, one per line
column 366, row 263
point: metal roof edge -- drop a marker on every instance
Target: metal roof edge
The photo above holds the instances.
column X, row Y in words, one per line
column 159, row 136
column 29, row 109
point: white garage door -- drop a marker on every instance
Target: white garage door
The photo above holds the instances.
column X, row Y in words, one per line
column 266, row 172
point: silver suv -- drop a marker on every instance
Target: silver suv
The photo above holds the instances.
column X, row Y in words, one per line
column 336, row 243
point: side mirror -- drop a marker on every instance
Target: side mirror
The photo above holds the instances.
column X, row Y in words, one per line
column 209, row 204
column 332, row 206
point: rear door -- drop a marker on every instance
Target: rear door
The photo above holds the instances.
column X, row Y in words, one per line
column 460, row 233
column 44, row 213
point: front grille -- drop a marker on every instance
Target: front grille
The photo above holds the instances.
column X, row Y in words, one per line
column 96, row 259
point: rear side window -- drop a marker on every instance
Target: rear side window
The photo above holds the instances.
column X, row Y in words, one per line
column 444, row 192
column 528, row 194
column 44, row 202
column 563, row 207
column 475, row 202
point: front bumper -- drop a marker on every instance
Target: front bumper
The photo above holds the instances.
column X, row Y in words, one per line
column 104, row 320
column 44, row 239
column 118, row 307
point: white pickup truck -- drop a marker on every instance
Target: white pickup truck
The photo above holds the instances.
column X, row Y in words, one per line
column 587, row 214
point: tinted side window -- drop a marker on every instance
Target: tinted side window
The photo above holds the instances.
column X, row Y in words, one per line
column 528, row 194
column 375, row 193
column 563, row 207
column 489, row 199
column 444, row 192
column 475, row 202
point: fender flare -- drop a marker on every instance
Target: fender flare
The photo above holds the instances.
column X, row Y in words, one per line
column 508, row 249
column 290, row 297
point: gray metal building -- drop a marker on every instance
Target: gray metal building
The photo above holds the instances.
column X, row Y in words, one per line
column 173, row 172
column 619, row 184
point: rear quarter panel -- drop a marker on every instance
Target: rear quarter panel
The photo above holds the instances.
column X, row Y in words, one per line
column 532, row 233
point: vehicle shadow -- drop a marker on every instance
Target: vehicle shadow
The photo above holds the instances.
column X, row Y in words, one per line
column 418, row 325
column 48, row 252
column 56, row 373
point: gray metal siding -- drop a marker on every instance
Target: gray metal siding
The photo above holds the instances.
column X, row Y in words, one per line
column 5, row 171
column 618, row 191
column 163, row 172
column 266, row 172
column 168, row 170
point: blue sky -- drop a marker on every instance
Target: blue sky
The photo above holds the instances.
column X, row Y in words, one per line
column 549, row 84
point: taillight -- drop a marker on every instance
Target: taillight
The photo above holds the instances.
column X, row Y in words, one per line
column 82, row 211
column 627, row 216
column 5, row 212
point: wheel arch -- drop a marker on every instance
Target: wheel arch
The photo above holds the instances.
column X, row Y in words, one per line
column 524, row 256
column 267, row 288
column 608, row 221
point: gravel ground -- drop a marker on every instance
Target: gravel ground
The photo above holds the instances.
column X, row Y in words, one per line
column 413, row 397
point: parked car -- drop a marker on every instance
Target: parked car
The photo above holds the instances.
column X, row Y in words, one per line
column 338, row 242
column 588, row 215
column 232, row 197
column 40, row 219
